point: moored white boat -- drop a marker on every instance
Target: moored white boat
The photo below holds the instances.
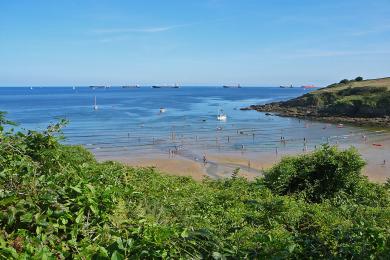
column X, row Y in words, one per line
column 95, row 106
column 221, row 116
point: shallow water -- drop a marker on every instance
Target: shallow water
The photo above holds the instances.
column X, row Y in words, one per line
column 128, row 122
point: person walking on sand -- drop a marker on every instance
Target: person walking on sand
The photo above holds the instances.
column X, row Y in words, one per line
column 204, row 159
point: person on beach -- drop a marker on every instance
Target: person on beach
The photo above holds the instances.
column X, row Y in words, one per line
column 204, row 159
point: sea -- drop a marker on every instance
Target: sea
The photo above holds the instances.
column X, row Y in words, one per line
column 145, row 121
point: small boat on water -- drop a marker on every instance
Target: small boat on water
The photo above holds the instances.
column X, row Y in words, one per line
column 95, row 106
column 221, row 116
column 231, row 86
column 291, row 86
column 162, row 110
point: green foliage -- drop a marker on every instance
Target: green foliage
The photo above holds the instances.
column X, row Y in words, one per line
column 58, row 202
column 344, row 81
column 317, row 176
column 359, row 78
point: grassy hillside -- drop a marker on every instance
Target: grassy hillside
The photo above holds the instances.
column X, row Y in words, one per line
column 366, row 100
column 58, row 202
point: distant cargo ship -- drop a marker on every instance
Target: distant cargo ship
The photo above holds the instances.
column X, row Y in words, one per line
column 167, row 86
column 308, row 87
column 99, row 87
column 291, row 86
column 227, row 86
column 131, row 86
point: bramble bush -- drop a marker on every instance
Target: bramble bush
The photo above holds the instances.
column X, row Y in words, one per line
column 58, row 202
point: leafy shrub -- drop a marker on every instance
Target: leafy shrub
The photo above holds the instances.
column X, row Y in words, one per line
column 344, row 81
column 359, row 78
column 361, row 91
column 317, row 176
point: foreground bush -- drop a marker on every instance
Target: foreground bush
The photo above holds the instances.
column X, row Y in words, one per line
column 321, row 175
column 57, row 202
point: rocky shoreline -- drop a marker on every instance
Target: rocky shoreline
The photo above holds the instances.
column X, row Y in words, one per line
column 311, row 113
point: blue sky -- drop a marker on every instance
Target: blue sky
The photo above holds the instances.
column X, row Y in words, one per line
column 198, row 42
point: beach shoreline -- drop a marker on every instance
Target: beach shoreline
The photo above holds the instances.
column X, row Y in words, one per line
column 251, row 164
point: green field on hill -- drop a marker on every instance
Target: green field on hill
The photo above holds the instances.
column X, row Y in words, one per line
column 358, row 101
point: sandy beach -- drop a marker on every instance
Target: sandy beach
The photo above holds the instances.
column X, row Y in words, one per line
column 252, row 165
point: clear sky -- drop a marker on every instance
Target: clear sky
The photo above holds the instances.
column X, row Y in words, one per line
column 208, row 42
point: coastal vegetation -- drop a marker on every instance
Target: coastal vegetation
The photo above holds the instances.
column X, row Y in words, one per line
column 357, row 101
column 57, row 202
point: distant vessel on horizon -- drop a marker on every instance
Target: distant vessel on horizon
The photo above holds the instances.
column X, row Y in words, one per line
column 131, row 86
column 291, row 86
column 232, row 86
column 94, row 87
column 308, row 87
column 166, row 86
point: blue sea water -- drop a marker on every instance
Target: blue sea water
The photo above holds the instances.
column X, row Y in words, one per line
column 128, row 121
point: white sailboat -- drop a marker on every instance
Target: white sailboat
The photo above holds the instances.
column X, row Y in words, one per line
column 95, row 106
column 221, row 116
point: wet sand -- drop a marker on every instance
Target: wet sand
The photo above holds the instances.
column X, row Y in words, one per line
column 221, row 164
column 252, row 165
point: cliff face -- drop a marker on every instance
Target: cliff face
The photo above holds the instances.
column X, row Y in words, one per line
column 367, row 100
